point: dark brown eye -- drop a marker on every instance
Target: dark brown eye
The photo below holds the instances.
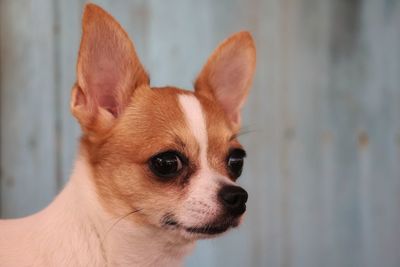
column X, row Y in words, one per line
column 235, row 162
column 166, row 165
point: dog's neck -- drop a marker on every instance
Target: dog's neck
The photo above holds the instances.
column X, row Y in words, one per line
column 103, row 239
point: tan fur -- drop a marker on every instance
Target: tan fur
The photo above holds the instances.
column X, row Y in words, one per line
column 152, row 123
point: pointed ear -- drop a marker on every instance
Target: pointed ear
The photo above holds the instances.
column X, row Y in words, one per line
column 228, row 74
column 108, row 71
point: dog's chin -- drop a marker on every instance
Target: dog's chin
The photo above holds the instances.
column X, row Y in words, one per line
column 208, row 230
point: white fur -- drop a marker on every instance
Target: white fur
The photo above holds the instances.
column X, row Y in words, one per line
column 201, row 206
column 195, row 119
column 75, row 231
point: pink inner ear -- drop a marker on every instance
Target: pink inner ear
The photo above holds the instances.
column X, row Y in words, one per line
column 106, row 74
column 103, row 81
column 109, row 103
column 230, row 81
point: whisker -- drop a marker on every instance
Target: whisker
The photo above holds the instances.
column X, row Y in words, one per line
column 116, row 222
column 245, row 132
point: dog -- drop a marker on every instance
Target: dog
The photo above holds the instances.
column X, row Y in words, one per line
column 156, row 168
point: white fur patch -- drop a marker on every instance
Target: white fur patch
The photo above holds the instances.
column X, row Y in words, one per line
column 201, row 205
column 197, row 123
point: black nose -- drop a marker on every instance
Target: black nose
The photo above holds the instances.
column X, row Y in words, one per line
column 234, row 199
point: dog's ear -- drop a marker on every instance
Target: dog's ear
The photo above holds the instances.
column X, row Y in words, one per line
column 108, row 71
column 228, row 74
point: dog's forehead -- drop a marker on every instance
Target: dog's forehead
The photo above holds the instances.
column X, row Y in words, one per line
column 205, row 121
column 211, row 131
column 169, row 118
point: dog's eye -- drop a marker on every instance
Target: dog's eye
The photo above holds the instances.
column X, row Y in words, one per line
column 235, row 162
column 167, row 164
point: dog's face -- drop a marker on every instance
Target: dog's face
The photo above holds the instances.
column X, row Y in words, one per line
column 168, row 156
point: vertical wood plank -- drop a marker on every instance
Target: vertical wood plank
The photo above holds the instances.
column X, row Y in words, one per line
column 27, row 106
column 306, row 66
column 177, row 49
column 67, row 37
column 380, row 118
column 343, row 111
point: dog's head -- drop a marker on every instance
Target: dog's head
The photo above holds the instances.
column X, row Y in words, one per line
column 170, row 154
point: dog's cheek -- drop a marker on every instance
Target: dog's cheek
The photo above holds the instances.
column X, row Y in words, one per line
column 140, row 190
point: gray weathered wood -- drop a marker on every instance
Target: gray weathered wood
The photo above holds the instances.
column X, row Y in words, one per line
column 28, row 157
column 323, row 170
column 67, row 36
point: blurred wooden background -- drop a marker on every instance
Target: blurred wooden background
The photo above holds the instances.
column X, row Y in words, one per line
column 323, row 170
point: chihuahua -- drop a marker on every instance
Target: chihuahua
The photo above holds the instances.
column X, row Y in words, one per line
column 156, row 168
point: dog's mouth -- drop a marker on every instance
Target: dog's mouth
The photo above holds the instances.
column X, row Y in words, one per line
column 208, row 229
